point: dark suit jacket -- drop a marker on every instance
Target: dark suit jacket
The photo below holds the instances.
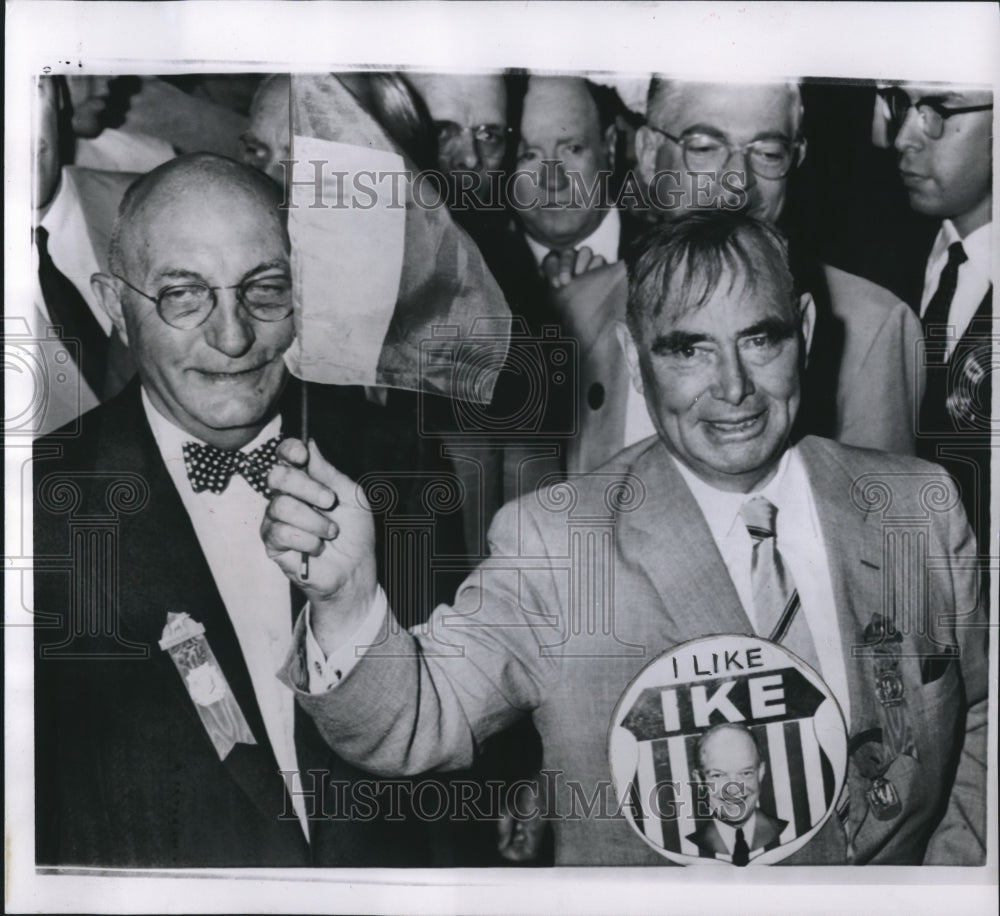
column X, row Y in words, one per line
column 600, row 584
column 956, row 416
column 767, row 831
column 125, row 772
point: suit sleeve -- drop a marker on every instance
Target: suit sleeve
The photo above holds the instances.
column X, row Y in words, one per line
column 426, row 699
column 880, row 380
column 960, row 837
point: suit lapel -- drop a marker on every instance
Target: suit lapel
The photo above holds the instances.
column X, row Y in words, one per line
column 677, row 552
column 855, row 556
column 161, row 569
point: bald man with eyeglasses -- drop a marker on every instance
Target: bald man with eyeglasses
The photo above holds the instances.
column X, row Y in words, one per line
column 163, row 737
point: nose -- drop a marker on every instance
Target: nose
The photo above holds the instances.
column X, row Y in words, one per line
column 743, row 177
column 910, row 135
column 733, row 383
column 229, row 328
column 463, row 152
column 554, row 174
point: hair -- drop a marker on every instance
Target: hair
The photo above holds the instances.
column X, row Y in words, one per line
column 176, row 175
column 721, row 727
column 687, row 258
column 399, row 109
column 664, row 93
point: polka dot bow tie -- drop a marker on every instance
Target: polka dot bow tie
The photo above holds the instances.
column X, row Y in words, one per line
column 211, row 468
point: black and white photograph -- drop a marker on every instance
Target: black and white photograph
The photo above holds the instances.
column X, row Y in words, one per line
column 493, row 457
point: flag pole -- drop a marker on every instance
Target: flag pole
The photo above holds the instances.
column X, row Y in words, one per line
column 304, row 557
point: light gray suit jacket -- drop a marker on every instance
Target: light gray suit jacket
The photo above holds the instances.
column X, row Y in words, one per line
column 590, row 579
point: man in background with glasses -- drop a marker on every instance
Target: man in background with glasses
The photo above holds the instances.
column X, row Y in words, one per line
column 735, row 146
column 943, row 137
column 153, row 749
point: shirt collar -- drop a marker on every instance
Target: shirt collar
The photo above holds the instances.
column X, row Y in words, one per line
column 170, row 438
column 976, row 245
column 722, row 508
column 603, row 241
column 728, row 831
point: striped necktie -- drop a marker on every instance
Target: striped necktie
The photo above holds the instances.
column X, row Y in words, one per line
column 776, row 604
column 775, row 597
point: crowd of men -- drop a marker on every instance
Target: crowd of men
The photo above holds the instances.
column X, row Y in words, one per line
column 237, row 630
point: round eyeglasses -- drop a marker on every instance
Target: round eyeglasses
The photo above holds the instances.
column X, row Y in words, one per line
column 187, row 305
column 490, row 139
column 771, row 158
column 931, row 111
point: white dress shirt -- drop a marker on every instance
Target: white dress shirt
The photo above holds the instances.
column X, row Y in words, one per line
column 70, row 247
column 973, row 276
column 603, row 241
column 71, row 250
column 254, row 590
column 803, row 551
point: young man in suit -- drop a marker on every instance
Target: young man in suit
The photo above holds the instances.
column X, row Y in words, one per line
column 152, row 510
column 591, row 578
column 943, row 137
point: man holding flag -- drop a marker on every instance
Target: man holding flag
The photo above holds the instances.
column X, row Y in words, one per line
column 164, row 738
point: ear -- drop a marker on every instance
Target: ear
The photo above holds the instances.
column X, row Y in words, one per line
column 105, row 288
column 803, row 145
column 631, row 352
column 610, row 142
column 647, row 144
column 807, row 319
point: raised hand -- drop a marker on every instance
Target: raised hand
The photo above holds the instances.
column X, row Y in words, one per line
column 561, row 267
column 319, row 511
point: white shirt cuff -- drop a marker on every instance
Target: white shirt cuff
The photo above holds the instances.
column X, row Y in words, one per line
column 325, row 673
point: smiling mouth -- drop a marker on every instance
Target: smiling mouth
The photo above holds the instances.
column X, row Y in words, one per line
column 737, row 428
column 230, row 376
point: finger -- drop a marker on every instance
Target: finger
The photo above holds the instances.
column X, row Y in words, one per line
column 299, row 483
column 279, row 537
column 583, row 260
column 550, row 267
column 290, row 511
column 293, row 452
column 567, row 259
column 597, row 261
column 505, row 832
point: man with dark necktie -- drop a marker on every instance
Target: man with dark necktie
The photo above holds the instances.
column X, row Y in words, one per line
column 673, row 540
column 943, row 137
column 163, row 737
column 73, row 217
column 731, row 770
